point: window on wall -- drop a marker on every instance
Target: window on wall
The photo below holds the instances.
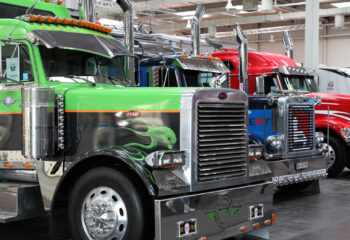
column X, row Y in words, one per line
column 13, row 11
column 15, row 64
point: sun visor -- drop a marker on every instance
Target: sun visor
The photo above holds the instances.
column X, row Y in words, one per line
column 203, row 65
column 78, row 41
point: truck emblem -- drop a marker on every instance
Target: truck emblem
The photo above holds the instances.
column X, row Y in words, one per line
column 224, row 211
column 330, row 84
column 8, row 101
column 133, row 114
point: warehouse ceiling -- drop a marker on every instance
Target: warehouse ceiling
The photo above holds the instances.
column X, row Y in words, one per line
column 172, row 17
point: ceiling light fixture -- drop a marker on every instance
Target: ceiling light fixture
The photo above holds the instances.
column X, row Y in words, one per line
column 188, row 24
column 229, row 5
column 341, row 4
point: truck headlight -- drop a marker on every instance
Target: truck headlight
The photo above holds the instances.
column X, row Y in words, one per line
column 275, row 141
column 255, row 151
column 166, row 159
column 319, row 137
column 346, row 133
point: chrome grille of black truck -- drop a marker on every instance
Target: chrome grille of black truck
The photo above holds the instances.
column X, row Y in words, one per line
column 221, row 141
column 300, row 128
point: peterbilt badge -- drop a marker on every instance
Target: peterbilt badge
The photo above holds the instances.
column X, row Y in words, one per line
column 8, row 101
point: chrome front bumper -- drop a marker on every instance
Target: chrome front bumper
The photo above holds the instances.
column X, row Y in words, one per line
column 214, row 215
column 285, row 171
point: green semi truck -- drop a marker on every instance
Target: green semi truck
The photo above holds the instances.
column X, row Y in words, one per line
column 110, row 161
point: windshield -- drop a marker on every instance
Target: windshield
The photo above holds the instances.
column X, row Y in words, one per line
column 64, row 65
column 302, row 83
column 198, row 78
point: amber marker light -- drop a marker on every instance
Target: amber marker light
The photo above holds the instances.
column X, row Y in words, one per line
column 59, row 2
column 58, row 20
column 27, row 165
column 199, row 57
column 244, row 229
column 50, row 19
column 108, row 30
column 42, row 19
column 184, row 56
column 33, row 18
column 268, row 222
column 8, row 165
column 256, row 225
column 66, row 21
column 47, row 1
column 273, row 217
column 75, row 22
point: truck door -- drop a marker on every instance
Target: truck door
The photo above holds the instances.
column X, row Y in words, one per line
column 15, row 72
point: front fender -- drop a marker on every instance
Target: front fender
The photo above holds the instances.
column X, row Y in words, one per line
column 337, row 121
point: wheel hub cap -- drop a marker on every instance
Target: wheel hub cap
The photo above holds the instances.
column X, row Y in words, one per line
column 330, row 156
column 104, row 214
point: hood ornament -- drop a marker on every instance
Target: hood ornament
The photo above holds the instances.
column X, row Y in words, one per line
column 8, row 101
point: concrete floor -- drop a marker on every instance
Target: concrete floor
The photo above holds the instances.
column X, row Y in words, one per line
column 302, row 216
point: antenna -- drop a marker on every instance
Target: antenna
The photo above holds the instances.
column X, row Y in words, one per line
column 28, row 11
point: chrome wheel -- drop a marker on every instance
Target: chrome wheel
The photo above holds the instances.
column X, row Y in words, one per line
column 104, row 214
column 330, row 156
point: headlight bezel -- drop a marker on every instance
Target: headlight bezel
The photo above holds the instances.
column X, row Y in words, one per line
column 166, row 159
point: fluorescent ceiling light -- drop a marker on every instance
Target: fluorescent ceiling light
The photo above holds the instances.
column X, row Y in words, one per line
column 190, row 17
column 341, row 4
column 188, row 13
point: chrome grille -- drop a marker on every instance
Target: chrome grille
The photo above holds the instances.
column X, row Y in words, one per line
column 300, row 128
column 221, row 141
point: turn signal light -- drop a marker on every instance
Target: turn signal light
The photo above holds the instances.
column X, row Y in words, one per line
column 256, row 225
column 273, row 217
column 8, row 165
column 27, row 165
column 268, row 222
column 244, row 229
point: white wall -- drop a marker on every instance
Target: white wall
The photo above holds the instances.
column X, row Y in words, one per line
column 334, row 50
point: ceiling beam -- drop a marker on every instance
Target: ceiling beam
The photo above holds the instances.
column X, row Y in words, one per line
column 254, row 19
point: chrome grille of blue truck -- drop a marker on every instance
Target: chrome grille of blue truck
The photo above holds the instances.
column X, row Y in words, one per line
column 300, row 128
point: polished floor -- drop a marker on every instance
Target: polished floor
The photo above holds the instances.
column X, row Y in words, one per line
column 302, row 216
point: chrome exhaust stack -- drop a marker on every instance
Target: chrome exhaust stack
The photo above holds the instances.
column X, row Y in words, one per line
column 243, row 59
column 288, row 44
column 129, row 35
column 196, row 30
column 89, row 10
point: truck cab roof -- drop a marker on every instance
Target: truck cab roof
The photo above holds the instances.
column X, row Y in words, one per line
column 258, row 62
column 12, row 9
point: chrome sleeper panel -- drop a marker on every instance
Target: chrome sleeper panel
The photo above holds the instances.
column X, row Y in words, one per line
column 199, row 207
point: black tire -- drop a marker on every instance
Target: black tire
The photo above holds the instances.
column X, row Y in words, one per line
column 107, row 177
column 340, row 156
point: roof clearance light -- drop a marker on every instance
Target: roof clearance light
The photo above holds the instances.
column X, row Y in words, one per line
column 58, row 20
column 218, row 59
column 59, row 2
column 75, row 21
column 42, row 19
column 109, row 30
column 66, row 21
column 199, row 57
column 50, row 19
column 184, row 56
column 47, row 1
column 33, row 18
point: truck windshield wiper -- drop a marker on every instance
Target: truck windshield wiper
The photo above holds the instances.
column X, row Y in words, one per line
column 80, row 78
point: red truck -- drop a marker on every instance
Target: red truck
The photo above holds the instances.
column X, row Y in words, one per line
column 268, row 73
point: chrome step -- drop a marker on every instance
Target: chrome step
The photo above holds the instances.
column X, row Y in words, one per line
column 20, row 201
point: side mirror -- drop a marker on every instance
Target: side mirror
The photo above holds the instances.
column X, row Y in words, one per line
column 318, row 100
column 260, row 85
column 219, row 81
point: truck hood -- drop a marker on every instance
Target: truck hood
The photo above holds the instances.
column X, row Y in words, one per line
column 338, row 104
column 121, row 99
